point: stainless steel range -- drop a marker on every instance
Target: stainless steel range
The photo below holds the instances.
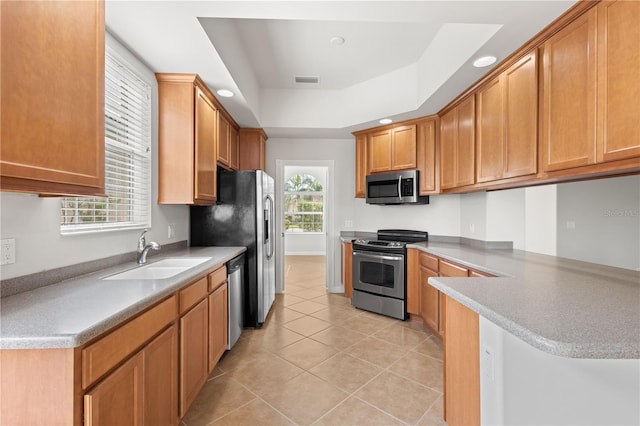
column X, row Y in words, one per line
column 379, row 278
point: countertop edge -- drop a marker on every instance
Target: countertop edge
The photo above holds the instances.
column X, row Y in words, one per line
column 71, row 341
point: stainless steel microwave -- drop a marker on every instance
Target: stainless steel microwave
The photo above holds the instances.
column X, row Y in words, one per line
column 395, row 188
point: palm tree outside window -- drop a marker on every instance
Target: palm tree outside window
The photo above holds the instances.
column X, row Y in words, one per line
column 303, row 204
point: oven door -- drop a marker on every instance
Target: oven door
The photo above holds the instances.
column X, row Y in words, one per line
column 379, row 273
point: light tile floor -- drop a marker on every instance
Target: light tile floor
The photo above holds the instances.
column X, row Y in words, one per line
column 317, row 360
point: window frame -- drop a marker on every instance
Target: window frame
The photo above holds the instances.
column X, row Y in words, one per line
column 142, row 160
column 322, row 213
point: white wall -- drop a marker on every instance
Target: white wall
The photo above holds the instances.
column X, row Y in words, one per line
column 599, row 221
column 522, row 385
column 540, row 219
column 35, row 222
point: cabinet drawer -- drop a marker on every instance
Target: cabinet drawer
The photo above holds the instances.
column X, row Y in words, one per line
column 452, row 270
column 429, row 261
column 101, row 356
column 193, row 294
column 474, row 273
column 217, row 278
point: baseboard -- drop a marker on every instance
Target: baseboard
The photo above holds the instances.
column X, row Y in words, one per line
column 306, row 253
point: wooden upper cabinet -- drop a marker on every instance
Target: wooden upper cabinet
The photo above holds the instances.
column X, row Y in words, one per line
column 234, row 148
column 361, row 165
column 187, row 141
column 457, row 145
column 252, row 149
column 490, row 131
column 466, row 143
column 52, row 97
column 569, row 95
column 426, row 155
column 506, row 123
column 392, row 149
column 403, row 147
column 206, row 147
column 520, row 86
column 224, row 140
column 379, row 152
column 618, row 135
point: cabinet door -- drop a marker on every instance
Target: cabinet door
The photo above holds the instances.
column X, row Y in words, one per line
column 429, row 304
column 205, row 173
column 466, row 145
column 347, row 269
column 118, row 399
column 161, row 379
column 462, row 365
column 413, row 282
column 52, row 97
column 361, row 165
column 569, row 95
column 224, row 148
column 194, row 336
column 380, row 151
column 618, row 80
column 426, row 160
column 490, row 125
column 218, row 321
column 252, row 149
column 234, row 159
column 521, row 117
column 403, row 147
column 448, row 140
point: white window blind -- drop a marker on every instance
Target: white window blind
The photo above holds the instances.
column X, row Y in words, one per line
column 127, row 158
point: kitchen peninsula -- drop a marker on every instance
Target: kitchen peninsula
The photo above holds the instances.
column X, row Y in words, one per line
column 548, row 335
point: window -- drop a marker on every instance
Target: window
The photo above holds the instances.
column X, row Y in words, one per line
column 303, row 204
column 127, row 158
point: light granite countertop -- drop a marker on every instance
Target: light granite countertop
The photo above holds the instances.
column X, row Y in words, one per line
column 564, row 307
column 72, row 312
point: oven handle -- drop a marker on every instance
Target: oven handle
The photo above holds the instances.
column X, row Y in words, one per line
column 378, row 256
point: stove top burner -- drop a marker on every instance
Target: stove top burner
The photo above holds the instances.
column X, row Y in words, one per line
column 392, row 240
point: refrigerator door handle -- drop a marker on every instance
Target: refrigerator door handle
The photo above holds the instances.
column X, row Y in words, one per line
column 268, row 217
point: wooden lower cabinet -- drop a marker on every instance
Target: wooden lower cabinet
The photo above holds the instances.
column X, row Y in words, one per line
column 194, row 367
column 347, row 250
column 144, row 388
column 429, row 300
column 160, row 359
column 122, row 389
column 218, row 321
column 461, row 365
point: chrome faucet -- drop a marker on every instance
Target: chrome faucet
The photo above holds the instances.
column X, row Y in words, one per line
column 143, row 248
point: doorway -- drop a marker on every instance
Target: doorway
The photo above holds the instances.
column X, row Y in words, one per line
column 303, row 207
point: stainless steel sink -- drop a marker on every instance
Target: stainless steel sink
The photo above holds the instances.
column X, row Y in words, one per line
column 162, row 269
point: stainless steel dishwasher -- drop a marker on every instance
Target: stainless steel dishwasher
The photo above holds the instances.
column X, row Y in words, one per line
column 235, row 278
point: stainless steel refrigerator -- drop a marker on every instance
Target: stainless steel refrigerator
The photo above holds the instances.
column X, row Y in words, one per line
column 243, row 216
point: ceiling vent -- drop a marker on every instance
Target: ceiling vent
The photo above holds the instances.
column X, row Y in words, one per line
column 307, row 80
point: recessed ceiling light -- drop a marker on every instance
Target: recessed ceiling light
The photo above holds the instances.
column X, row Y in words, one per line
column 386, row 121
column 484, row 61
column 336, row 40
column 225, row 93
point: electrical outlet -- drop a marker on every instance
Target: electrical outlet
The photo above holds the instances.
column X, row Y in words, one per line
column 171, row 231
column 472, row 228
column 348, row 223
column 571, row 224
column 7, row 251
column 487, row 362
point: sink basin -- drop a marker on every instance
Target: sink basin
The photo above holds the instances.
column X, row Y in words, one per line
column 165, row 268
